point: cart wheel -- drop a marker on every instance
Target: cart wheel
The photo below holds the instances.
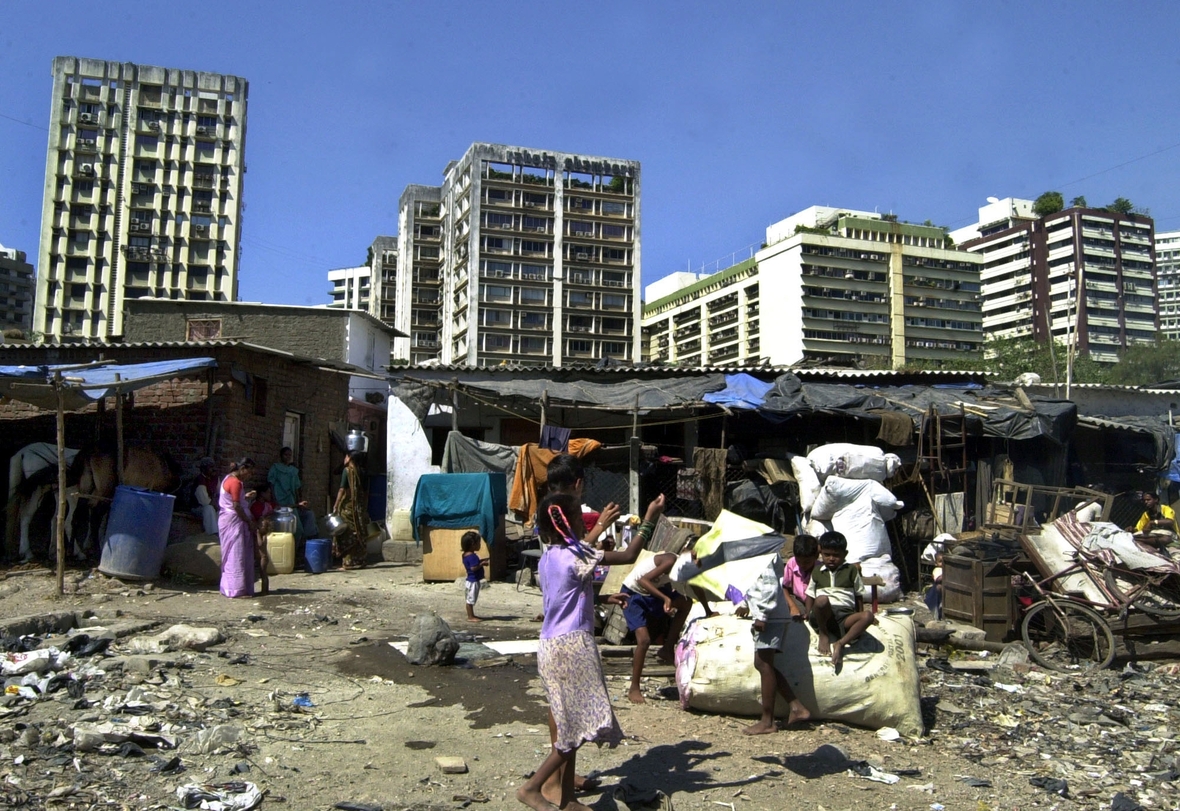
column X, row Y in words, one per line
column 1067, row 637
column 1152, row 594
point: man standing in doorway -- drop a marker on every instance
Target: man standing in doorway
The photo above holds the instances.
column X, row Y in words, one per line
column 288, row 492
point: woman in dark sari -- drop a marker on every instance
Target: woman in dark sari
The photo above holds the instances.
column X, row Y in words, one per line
column 351, row 545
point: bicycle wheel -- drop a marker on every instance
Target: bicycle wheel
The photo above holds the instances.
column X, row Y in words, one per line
column 1156, row 595
column 1067, row 637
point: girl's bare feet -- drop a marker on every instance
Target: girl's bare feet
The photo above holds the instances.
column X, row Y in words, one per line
column 825, row 645
column 799, row 714
column 534, row 800
column 761, row 728
column 474, row 619
column 636, row 697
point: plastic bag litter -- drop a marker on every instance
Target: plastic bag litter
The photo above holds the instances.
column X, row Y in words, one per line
column 238, row 796
column 807, row 480
column 37, row 661
column 877, row 686
column 858, row 509
column 213, row 739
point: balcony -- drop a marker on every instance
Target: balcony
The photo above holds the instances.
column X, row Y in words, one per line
column 202, row 205
column 86, row 146
column 203, row 181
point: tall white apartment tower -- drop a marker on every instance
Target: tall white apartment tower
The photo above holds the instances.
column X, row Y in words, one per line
column 1167, row 266
column 143, row 192
column 521, row 255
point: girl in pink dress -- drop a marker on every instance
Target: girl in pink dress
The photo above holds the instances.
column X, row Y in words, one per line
column 235, row 527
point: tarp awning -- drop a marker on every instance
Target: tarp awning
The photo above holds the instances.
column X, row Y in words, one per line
column 1163, row 436
column 86, row 385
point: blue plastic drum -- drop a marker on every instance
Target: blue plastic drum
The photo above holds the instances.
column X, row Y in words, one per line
column 137, row 534
column 319, row 555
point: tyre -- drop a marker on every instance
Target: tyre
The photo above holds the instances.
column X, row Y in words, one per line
column 1155, row 595
column 1067, row 637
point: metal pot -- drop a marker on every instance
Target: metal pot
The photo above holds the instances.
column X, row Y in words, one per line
column 334, row 524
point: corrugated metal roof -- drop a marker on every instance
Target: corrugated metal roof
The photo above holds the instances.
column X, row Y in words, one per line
column 327, row 365
column 802, row 373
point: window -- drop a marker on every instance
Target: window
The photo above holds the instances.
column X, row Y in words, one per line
column 502, row 270
column 148, row 143
column 540, row 272
column 615, row 255
column 533, row 295
column 581, row 228
column 499, row 194
column 614, row 324
column 532, row 345
column 614, row 349
column 259, row 396
column 206, row 329
column 497, row 244
column 614, row 208
column 494, row 292
column 206, row 121
column 581, row 347
column 581, row 299
column 536, row 223
column 581, row 204
column 293, row 434
column 531, row 199
column 533, row 320
column 497, row 318
column 499, row 220
column 614, row 301
column 529, row 246
column 497, row 343
column 614, row 232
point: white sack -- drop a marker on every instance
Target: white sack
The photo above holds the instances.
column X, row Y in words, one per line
column 877, row 685
column 858, row 508
column 884, row 568
column 807, row 480
column 853, row 461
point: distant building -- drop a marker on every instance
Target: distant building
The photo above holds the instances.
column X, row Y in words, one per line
column 143, row 192
column 1033, row 268
column 521, row 255
column 841, row 287
column 383, row 279
column 351, row 288
column 340, row 336
column 1167, row 267
column 16, row 290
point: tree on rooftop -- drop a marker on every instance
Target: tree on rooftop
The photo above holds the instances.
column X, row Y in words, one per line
column 1048, row 203
column 1121, row 205
column 1078, row 202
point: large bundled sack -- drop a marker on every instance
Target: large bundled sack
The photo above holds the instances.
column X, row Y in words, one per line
column 858, row 508
column 884, row 568
column 807, row 480
column 877, row 685
column 853, row 461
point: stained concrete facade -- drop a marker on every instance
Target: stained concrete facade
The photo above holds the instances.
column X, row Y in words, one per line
column 143, row 192
column 1167, row 266
column 16, row 290
column 521, row 255
column 840, row 286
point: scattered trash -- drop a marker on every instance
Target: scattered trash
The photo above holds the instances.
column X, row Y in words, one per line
column 975, row 782
column 215, row 739
column 303, row 700
column 418, row 745
column 220, row 797
column 178, row 637
column 1051, row 784
column 347, row 806
column 1121, row 802
column 227, row 681
column 871, row 772
column 888, row 734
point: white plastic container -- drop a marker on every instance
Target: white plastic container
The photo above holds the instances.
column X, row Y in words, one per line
column 280, row 547
column 400, row 526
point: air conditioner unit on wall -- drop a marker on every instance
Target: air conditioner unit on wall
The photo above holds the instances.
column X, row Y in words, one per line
column 85, row 118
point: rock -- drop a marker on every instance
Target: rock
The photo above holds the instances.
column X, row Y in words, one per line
column 199, row 559
column 451, row 765
column 141, row 664
column 432, row 642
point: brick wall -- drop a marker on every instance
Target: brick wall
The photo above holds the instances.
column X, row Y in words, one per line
column 174, row 415
column 313, row 333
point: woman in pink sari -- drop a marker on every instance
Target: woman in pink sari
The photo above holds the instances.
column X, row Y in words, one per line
column 235, row 526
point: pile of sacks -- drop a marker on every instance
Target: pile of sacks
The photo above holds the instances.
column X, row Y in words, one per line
column 840, row 489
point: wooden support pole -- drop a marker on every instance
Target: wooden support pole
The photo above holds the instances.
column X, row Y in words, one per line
column 633, row 467
column 544, row 409
column 455, row 404
column 209, row 413
column 119, row 424
column 61, row 484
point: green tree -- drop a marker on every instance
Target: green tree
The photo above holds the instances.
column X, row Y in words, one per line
column 1078, row 202
column 1121, row 205
column 1048, row 203
column 1145, row 364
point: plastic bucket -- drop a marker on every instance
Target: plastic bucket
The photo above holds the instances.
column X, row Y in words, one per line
column 137, row 534
column 318, row 554
column 377, row 498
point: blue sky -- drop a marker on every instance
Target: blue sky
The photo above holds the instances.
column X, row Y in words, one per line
column 741, row 113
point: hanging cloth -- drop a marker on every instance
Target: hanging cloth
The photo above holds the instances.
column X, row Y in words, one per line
column 555, row 438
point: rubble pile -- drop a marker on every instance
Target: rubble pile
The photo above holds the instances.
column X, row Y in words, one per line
column 1109, row 733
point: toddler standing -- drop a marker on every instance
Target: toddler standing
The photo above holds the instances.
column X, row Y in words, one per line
column 474, row 564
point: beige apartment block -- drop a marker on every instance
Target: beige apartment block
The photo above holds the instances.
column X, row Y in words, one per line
column 143, row 192
column 832, row 286
column 383, row 279
column 521, row 256
column 351, row 288
column 1167, row 268
column 16, row 289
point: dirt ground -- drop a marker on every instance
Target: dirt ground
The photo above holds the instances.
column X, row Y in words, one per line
column 378, row 723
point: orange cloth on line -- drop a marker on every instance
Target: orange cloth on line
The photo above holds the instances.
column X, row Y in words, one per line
column 532, row 473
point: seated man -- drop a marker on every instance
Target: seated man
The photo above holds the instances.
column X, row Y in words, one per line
column 1157, row 526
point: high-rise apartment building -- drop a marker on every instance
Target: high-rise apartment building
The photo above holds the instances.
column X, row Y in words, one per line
column 16, row 289
column 351, row 288
column 840, row 286
column 521, row 255
column 383, row 279
column 143, row 192
column 1167, row 267
column 1034, row 267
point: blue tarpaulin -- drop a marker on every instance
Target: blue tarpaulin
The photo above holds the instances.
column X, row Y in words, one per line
column 741, row 391
column 454, row 500
column 86, row 385
column 1174, row 470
